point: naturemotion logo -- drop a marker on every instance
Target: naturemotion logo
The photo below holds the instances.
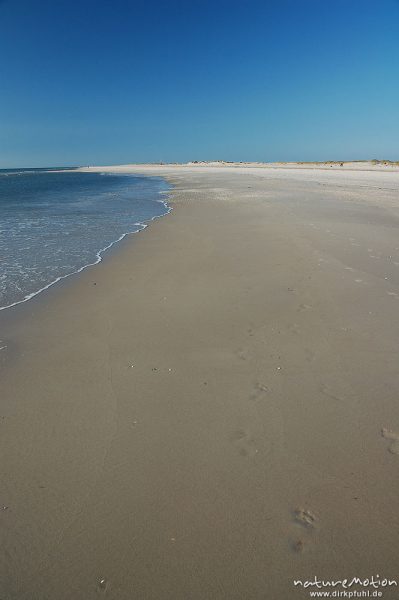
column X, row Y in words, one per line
column 355, row 587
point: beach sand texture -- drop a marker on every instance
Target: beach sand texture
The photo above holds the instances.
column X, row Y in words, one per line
column 212, row 412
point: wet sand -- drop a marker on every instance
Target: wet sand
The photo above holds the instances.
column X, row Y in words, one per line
column 212, row 412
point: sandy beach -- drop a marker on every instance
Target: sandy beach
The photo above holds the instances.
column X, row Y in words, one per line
column 211, row 412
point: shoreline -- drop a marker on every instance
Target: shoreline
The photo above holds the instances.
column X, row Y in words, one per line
column 212, row 411
column 99, row 256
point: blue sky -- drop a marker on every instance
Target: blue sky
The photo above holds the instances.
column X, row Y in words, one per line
column 101, row 82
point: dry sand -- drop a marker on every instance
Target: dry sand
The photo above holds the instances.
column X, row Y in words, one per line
column 212, row 412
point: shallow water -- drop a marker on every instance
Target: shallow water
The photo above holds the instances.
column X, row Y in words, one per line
column 53, row 224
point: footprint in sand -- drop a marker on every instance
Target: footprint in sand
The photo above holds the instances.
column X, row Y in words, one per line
column 295, row 329
column 393, row 439
column 244, row 443
column 243, row 354
column 309, row 355
column 330, row 393
column 102, row 584
column 307, row 521
column 259, row 390
column 305, row 517
column 304, row 307
column 298, row 546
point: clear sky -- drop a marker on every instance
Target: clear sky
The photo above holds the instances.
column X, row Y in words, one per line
column 107, row 82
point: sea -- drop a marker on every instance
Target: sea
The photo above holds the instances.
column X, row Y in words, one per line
column 56, row 223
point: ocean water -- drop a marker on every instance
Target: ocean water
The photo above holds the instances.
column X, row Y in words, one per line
column 54, row 224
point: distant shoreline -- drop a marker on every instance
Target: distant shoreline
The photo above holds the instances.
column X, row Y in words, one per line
column 353, row 165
